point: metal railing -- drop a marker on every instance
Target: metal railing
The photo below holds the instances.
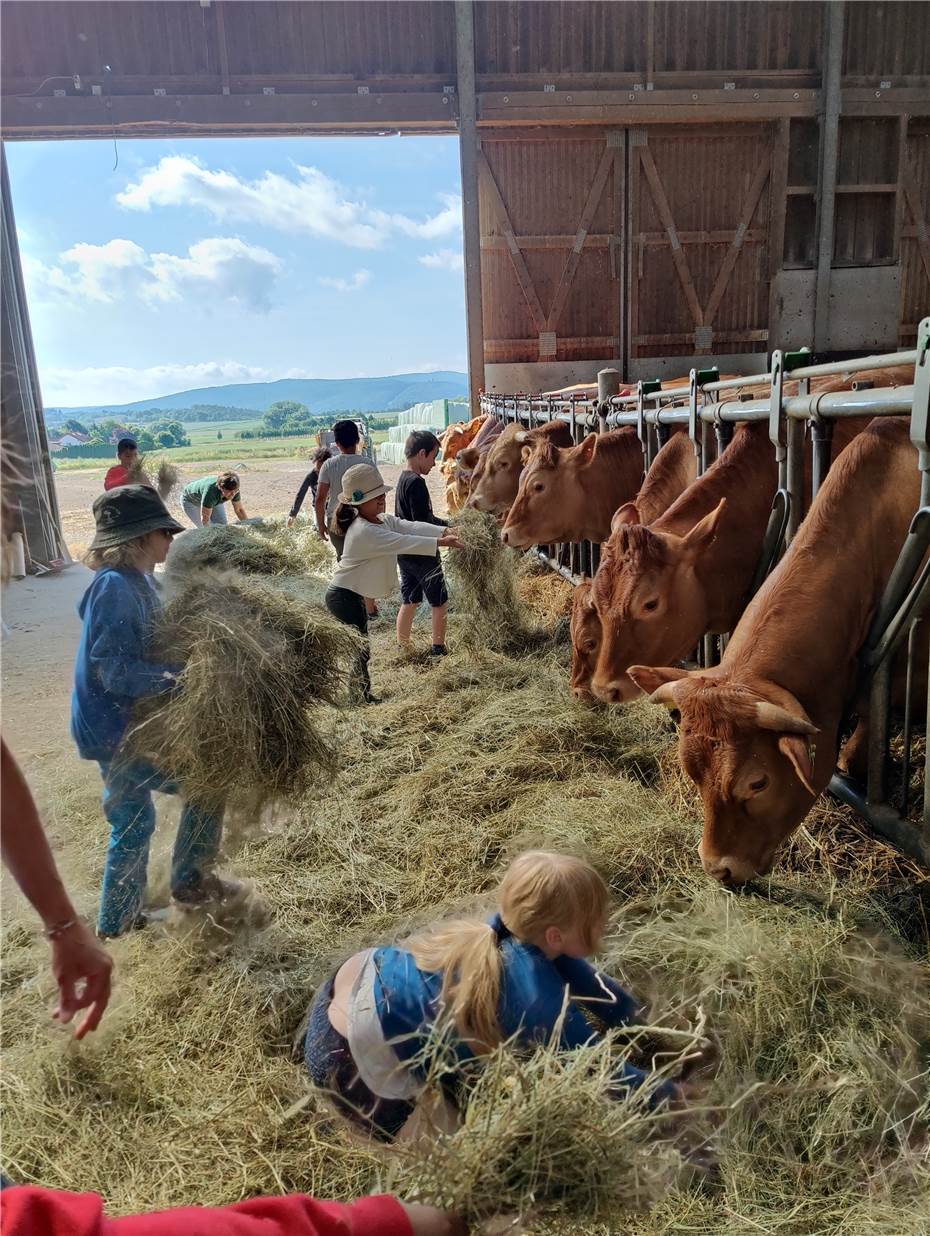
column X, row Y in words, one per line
column 709, row 404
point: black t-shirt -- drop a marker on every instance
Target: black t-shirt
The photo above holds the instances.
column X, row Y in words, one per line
column 412, row 501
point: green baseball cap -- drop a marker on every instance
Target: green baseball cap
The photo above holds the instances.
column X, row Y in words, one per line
column 129, row 511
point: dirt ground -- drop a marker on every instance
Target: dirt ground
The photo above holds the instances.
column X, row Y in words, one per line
column 268, row 488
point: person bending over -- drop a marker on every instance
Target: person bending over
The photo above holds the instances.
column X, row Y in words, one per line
column 127, row 452
column 310, row 481
column 203, row 499
column 111, row 674
column 523, row 974
column 372, row 541
column 420, row 577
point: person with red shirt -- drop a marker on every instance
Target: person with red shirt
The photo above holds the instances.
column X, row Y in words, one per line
column 127, row 452
column 26, row 1210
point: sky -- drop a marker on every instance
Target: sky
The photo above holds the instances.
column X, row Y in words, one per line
column 194, row 263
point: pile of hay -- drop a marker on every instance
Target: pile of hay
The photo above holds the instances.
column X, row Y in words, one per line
column 816, row 994
column 258, row 660
column 257, row 549
column 483, row 587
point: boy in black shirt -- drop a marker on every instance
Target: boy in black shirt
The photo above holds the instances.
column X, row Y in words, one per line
column 420, row 576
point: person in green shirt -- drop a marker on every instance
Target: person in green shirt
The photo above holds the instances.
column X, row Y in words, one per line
column 203, row 500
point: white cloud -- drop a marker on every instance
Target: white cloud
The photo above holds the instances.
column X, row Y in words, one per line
column 443, row 259
column 223, row 267
column 312, row 202
column 357, row 281
column 124, row 383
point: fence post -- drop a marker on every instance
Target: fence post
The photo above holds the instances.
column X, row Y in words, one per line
column 776, row 428
column 608, row 383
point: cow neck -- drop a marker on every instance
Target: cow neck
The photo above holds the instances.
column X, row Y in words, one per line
column 611, row 479
column 746, row 475
column 804, row 628
column 672, row 471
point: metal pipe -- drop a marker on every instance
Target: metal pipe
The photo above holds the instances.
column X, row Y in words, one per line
column 822, row 443
column 908, row 716
column 884, row 820
column 795, row 476
column 466, row 94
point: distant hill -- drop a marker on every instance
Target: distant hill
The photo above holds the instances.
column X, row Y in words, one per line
column 321, row 395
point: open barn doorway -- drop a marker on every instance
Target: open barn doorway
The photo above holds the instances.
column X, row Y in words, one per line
column 178, row 290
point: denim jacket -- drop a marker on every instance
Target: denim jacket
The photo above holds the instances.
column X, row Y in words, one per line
column 111, row 671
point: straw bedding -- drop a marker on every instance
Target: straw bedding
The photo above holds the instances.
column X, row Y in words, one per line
column 813, row 989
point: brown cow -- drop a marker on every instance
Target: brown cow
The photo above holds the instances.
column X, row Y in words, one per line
column 659, row 588
column 495, row 487
column 759, row 733
column 672, row 471
column 571, row 493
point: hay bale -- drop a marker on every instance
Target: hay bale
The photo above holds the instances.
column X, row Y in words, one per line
column 258, row 660
column 483, row 586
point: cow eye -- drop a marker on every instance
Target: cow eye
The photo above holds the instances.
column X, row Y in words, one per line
column 538, row 487
column 757, row 786
column 651, row 606
column 590, row 645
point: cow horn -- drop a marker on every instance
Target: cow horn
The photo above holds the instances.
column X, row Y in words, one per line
column 520, row 435
column 773, row 717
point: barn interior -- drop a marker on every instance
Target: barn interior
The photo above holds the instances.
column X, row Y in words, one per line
column 649, row 188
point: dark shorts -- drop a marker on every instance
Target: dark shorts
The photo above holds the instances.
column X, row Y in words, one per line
column 331, row 1067
column 422, row 577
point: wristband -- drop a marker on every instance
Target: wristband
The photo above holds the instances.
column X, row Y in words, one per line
column 59, row 929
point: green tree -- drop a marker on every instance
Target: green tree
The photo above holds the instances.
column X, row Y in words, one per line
column 284, row 410
column 73, row 426
column 219, row 435
column 165, row 439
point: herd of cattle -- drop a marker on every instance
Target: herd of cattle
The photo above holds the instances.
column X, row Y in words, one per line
column 760, row 732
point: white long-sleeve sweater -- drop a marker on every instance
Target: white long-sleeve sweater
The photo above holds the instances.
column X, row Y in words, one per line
column 369, row 558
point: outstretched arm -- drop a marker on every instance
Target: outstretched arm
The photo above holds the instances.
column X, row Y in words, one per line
column 80, row 965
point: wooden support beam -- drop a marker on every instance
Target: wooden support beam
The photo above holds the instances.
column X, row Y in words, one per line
column 219, row 9
column 471, row 222
column 665, row 215
column 777, row 196
column 595, row 193
column 829, row 154
column 729, row 262
column 916, row 204
column 516, row 257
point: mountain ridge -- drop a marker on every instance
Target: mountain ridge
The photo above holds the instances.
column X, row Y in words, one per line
column 392, row 392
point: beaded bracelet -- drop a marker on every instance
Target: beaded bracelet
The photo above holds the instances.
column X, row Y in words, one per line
column 59, row 929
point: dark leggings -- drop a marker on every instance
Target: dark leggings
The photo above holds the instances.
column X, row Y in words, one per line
column 349, row 608
column 331, row 1067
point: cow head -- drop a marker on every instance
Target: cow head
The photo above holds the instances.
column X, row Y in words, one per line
column 586, row 640
column 652, row 606
column 551, row 494
column 750, row 750
column 495, row 488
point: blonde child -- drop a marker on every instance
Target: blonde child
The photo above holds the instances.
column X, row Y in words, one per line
column 521, row 974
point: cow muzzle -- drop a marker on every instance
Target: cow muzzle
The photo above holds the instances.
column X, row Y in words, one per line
column 728, row 869
column 617, row 691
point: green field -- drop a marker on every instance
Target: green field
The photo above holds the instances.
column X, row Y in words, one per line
column 206, row 446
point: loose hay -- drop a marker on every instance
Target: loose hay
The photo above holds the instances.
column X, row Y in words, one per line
column 189, row 1093
column 258, row 659
column 483, row 587
column 165, row 475
column 243, row 548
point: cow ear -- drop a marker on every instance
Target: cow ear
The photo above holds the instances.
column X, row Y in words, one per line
column 799, row 751
column 627, row 514
column 525, row 455
column 586, row 449
column 704, row 532
column 659, row 683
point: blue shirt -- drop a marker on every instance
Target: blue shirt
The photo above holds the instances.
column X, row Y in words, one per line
column 111, row 672
column 532, row 999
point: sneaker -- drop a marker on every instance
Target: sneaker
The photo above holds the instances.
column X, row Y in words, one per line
column 372, row 699
column 210, row 888
column 438, row 650
column 142, row 920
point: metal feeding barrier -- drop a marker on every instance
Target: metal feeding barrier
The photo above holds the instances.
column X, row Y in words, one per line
column 702, row 408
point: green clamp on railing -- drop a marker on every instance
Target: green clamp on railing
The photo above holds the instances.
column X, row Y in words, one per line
column 707, row 375
column 653, row 385
column 794, row 360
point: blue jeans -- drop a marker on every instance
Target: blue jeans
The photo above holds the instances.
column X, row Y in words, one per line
column 192, row 511
column 130, row 812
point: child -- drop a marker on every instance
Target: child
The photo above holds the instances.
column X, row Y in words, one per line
column 127, row 452
column 420, row 577
column 372, row 541
column 310, row 481
column 522, row 973
column 134, row 532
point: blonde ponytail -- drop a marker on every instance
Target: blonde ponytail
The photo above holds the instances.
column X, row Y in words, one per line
column 466, row 953
column 540, row 889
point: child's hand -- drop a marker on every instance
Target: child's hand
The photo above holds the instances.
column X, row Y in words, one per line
column 430, row 1221
column 290, row 521
column 451, row 541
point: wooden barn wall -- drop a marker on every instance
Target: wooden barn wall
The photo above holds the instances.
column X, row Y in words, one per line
column 535, row 197
column 915, row 233
column 887, row 40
